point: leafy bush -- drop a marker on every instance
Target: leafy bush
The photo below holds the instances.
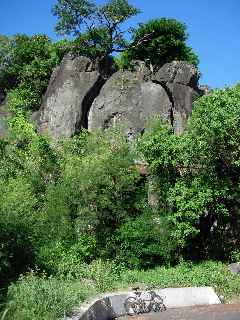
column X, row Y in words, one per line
column 70, row 198
column 100, row 187
column 26, row 64
column 39, row 297
column 198, row 176
column 143, row 241
column 26, row 162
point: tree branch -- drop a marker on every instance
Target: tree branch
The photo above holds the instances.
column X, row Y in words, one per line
column 145, row 38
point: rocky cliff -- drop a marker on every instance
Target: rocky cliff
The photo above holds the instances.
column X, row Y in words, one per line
column 71, row 91
column 83, row 95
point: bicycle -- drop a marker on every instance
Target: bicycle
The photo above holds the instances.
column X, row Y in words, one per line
column 135, row 305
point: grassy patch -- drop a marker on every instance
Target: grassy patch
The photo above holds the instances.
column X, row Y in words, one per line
column 39, row 297
column 213, row 274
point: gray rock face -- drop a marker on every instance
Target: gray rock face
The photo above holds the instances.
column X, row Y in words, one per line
column 80, row 96
column 182, row 98
column 72, row 88
column 234, row 268
column 126, row 100
column 180, row 81
column 4, row 115
column 178, row 72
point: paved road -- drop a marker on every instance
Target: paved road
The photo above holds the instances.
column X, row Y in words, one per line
column 218, row 312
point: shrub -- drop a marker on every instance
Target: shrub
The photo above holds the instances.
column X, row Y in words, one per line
column 39, row 297
column 198, row 176
column 143, row 242
column 100, row 187
column 26, row 64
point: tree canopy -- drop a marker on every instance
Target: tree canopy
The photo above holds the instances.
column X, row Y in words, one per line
column 26, row 64
column 96, row 27
column 159, row 41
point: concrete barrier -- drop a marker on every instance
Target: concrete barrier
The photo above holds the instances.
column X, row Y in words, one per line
column 111, row 305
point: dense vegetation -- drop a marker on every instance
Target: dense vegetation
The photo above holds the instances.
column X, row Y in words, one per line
column 79, row 209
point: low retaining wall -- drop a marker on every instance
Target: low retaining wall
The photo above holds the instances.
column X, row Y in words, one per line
column 111, row 305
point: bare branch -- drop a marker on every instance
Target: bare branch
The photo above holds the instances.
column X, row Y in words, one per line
column 145, row 38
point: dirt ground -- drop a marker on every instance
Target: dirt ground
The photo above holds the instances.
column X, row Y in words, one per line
column 215, row 312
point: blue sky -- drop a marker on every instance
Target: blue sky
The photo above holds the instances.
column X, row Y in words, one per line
column 213, row 27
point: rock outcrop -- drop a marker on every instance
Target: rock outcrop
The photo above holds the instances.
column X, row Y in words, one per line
column 83, row 95
column 180, row 81
column 127, row 100
column 131, row 99
column 71, row 91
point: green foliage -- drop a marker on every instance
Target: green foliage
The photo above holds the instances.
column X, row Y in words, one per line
column 26, row 64
column 97, row 27
column 84, row 198
column 39, row 297
column 143, row 241
column 158, row 42
column 17, row 202
column 198, row 176
column 188, row 274
column 69, row 199
column 97, row 186
column 27, row 162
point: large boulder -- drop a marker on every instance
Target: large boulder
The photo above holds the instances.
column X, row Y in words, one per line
column 71, row 91
column 178, row 72
column 86, row 95
column 182, row 98
column 180, row 81
column 128, row 101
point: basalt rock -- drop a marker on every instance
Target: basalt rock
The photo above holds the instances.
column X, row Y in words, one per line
column 180, row 81
column 82, row 94
column 71, row 91
column 128, row 101
column 178, row 72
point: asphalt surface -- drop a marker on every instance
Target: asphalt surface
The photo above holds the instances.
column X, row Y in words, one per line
column 216, row 312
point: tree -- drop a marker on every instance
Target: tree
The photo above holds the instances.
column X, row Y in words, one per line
column 158, row 42
column 26, row 64
column 97, row 28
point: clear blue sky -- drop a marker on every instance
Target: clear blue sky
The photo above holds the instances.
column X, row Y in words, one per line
column 213, row 27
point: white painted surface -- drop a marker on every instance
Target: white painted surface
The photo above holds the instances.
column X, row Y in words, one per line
column 187, row 297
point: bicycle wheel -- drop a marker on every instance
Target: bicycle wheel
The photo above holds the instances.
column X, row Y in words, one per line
column 146, row 307
column 131, row 306
column 157, row 304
